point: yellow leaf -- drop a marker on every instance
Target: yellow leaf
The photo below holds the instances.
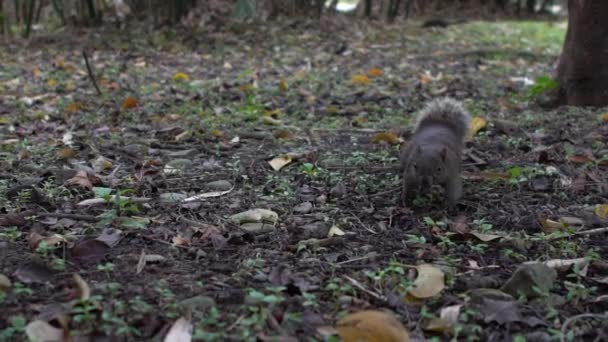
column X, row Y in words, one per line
column 129, row 102
column 477, row 123
column 51, row 82
column 375, row 72
column 283, row 86
column 601, row 210
column 371, row 326
column 180, row 76
column 36, row 72
column 280, row 162
column 430, row 282
column 605, row 117
column 387, row 137
column 360, row 80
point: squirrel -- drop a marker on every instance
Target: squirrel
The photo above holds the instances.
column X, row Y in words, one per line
column 433, row 154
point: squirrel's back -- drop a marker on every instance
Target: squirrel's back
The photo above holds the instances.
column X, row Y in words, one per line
column 444, row 112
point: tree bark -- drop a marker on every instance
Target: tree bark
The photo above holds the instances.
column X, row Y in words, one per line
column 582, row 70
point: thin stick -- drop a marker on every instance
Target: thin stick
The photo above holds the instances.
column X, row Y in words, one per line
column 90, row 71
column 592, row 231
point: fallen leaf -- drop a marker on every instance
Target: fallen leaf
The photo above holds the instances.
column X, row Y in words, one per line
column 430, row 282
column 278, row 163
column 360, row 80
column 375, row 72
column 485, row 237
column 66, row 153
column 82, row 179
column 83, row 291
column 387, row 137
column 74, row 107
column 181, row 331
column 5, row 282
column 33, row 272
column 335, row 231
column 42, row 331
column 371, row 326
column 283, row 86
column 255, row 216
column 601, row 210
column 129, row 103
column 528, row 279
column 605, row 117
column 477, row 124
column 180, row 76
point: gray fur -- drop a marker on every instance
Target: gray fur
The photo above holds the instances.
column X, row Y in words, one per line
column 445, row 110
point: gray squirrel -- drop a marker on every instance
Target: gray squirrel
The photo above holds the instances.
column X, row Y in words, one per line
column 434, row 153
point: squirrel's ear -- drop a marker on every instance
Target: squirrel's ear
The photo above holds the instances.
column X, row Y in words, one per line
column 443, row 153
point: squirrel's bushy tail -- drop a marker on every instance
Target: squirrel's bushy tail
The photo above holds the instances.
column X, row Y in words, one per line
column 445, row 111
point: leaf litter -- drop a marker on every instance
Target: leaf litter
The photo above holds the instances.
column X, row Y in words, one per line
column 311, row 140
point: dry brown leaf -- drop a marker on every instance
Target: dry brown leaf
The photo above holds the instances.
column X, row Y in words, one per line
column 371, row 326
column 81, row 178
column 130, row 102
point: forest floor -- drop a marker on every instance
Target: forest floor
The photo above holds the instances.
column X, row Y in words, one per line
column 300, row 123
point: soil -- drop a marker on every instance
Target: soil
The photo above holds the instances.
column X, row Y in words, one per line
column 221, row 106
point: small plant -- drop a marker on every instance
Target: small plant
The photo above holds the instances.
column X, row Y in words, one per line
column 17, row 326
column 542, row 85
column 310, row 170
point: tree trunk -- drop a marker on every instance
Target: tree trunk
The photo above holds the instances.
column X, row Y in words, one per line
column 582, row 70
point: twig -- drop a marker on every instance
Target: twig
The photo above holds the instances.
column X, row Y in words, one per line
column 77, row 217
column 90, row 71
column 358, row 285
column 592, row 231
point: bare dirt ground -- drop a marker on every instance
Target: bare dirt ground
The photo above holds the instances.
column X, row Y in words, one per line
column 181, row 115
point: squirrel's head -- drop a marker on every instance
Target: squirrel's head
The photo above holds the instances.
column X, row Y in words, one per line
column 430, row 164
